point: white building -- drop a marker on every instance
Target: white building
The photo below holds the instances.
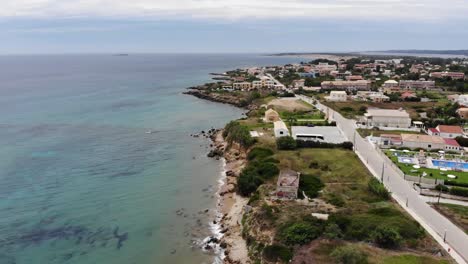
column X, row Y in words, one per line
column 280, row 128
column 337, row 96
column 329, row 134
column 446, row 131
column 387, row 118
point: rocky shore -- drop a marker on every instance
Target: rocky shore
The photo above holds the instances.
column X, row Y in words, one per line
column 230, row 204
column 215, row 97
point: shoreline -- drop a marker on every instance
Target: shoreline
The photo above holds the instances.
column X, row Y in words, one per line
column 229, row 246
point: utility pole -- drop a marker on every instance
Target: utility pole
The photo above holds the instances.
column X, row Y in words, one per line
column 354, row 141
column 383, row 171
column 445, row 235
column 406, row 201
column 438, row 198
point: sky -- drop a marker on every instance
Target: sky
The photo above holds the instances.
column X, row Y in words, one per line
column 237, row 26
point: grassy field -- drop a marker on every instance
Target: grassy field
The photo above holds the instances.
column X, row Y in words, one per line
column 431, row 173
column 457, row 213
column 376, row 133
column 352, row 108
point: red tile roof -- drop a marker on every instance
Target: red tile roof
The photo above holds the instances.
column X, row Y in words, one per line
column 451, row 142
column 433, row 130
column 450, row 129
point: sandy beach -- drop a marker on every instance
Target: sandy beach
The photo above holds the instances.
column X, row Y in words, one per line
column 231, row 205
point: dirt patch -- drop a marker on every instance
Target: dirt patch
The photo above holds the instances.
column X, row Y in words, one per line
column 289, row 104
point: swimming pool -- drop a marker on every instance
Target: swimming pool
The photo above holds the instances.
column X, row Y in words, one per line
column 450, row 164
column 406, row 160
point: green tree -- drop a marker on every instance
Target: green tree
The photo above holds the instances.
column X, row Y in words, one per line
column 387, row 237
column 286, row 143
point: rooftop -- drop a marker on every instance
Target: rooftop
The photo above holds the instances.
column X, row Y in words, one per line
column 331, row 134
column 450, row 129
column 280, row 125
column 422, row 138
column 387, row 112
column 288, row 178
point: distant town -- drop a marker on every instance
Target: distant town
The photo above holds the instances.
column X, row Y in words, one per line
column 404, row 117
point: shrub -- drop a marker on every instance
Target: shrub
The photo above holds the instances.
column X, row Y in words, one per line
column 259, row 153
column 346, row 109
column 267, row 170
column 378, row 189
column 455, row 183
column 235, row 132
column 349, row 255
column 310, row 185
column 248, row 182
column 333, row 231
column 459, row 191
column 317, row 144
column 387, row 237
column 441, row 188
column 336, row 200
column 275, row 252
column 286, row 143
column 300, row 233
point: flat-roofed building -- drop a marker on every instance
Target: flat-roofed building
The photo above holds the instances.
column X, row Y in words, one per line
column 387, row 118
column 346, row 85
column 337, row 96
column 329, row 134
column 242, row 86
column 417, row 85
column 453, row 75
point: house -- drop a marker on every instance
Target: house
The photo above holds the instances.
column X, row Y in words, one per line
column 271, row 115
column 354, row 78
column 407, row 95
column 463, row 112
column 376, row 97
column 446, row 131
column 452, row 145
column 417, row 85
column 337, row 96
column 390, row 140
column 280, row 128
column 387, row 118
column 329, row 134
column 414, row 141
column 346, row 85
column 453, row 75
column 242, row 86
column 462, row 99
column 298, row 83
column 288, row 184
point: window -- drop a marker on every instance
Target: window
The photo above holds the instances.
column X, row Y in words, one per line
column 429, row 146
column 281, row 132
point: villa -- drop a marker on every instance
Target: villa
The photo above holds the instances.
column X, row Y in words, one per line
column 427, row 142
column 445, row 131
column 288, row 184
column 337, row 96
column 387, row 118
column 346, row 85
column 417, row 85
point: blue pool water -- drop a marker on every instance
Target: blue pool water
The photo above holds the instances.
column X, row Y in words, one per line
column 450, row 164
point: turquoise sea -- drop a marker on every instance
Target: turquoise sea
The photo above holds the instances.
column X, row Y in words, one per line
column 81, row 180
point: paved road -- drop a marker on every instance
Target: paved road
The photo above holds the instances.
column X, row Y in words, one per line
column 437, row 225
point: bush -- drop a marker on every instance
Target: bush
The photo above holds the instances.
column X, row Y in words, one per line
column 300, row 233
column 347, row 109
column 274, row 253
column 286, row 143
column 455, row 183
column 378, row 189
column 248, row 182
column 267, row 170
column 310, row 185
column 235, row 132
column 259, row 153
column 333, row 231
column 459, row 191
column 442, row 188
column 349, row 255
column 387, row 237
column 462, row 141
column 318, row 144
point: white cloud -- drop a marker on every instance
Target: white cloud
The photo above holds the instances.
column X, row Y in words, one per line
column 420, row 10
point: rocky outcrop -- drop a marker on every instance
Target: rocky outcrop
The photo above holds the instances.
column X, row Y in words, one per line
column 215, row 97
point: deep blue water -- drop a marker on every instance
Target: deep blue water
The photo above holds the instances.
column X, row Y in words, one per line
column 80, row 179
column 450, row 164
